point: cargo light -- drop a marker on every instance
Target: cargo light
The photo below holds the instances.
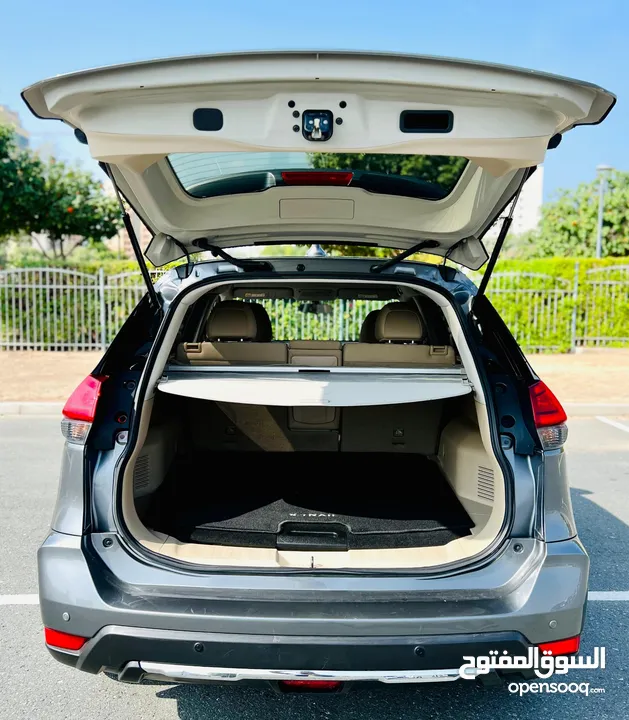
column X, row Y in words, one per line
column 62, row 640
column 316, row 177
column 549, row 416
column 80, row 410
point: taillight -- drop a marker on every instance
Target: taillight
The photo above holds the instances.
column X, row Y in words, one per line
column 80, row 410
column 317, row 177
column 550, row 417
column 310, row 685
column 569, row 646
column 63, row 641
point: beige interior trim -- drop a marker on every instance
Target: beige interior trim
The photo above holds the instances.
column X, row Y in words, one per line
column 397, row 355
column 315, row 353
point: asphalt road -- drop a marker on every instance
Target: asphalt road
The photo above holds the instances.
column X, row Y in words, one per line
column 34, row 686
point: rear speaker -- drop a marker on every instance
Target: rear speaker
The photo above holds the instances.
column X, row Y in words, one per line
column 426, row 121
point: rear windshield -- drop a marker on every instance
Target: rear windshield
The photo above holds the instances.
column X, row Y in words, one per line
column 334, row 319
column 429, row 177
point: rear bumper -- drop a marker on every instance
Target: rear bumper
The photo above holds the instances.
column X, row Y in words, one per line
column 135, row 654
column 150, row 622
column 191, row 673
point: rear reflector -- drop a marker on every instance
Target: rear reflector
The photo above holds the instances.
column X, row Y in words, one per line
column 547, row 410
column 570, row 646
column 63, row 641
column 311, row 685
column 317, row 177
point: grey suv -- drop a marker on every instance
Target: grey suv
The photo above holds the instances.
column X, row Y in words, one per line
column 309, row 470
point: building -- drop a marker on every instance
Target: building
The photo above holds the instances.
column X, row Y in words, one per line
column 9, row 117
column 528, row 211
column 121, row 243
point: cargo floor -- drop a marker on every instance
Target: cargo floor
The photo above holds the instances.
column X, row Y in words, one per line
column 308, row 501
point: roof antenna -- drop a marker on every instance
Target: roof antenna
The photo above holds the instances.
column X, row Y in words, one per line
column 315, row 250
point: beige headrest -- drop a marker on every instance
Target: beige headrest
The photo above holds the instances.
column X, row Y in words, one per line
column 398, row 322
column 232, row 320
column 368, row 328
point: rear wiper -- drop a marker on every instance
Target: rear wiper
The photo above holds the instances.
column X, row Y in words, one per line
column 244, row 263
column 423, row 245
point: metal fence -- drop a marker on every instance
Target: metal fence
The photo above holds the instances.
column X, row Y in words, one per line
column 59, row 309
column 342, row 320
column 540, row 310
column 606, row 311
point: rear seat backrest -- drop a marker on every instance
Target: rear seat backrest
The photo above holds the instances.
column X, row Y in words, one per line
column 237, row 333
column 405, row 428
column 398, row 332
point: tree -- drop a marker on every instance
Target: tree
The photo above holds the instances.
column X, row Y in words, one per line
column 569, row 223
column 77, row 210
column 64, row 203
column 22, row 185
column 441, row 170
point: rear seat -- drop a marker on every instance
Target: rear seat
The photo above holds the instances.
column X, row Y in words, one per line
column 237, row 333
column 399, row 332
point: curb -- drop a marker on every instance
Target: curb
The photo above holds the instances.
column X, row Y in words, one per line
column 31, row 408
column 594, row 409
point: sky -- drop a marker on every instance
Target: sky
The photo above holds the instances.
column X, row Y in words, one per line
column 578, row 38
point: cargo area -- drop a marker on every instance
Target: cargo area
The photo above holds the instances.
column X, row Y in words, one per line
column 247, row 484
column 317, row 509
column 266, row 445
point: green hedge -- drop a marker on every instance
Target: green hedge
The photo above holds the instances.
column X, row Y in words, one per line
column 550, row 305
column 556, row 304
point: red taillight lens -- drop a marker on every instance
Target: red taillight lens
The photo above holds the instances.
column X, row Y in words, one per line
column 550, row 417
column 81, row 405
column 80, row 410
column 570, row 646
column 547, row 410
column 63, row 641
column 317, row 177
column 311, row 685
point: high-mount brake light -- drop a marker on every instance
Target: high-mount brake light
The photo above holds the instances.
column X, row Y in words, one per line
column 317, row 177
